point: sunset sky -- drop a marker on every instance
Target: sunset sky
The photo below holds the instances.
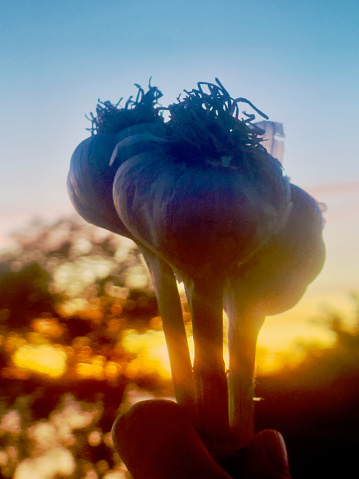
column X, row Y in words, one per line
column 296, row 61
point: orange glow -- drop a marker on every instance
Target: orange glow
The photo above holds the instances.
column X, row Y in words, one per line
column 43, row 359
column 94, row 310
column 49, row 327
column 116, row 309
column 150, row 349
column 107, row 439
column 83, row 370
column 156, row 323
column 13, row 342
column 80, row 342
column 113, row 326
column 112, row 370
column 94, row 438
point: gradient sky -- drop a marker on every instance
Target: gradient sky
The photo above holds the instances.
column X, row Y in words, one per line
column 298, row 61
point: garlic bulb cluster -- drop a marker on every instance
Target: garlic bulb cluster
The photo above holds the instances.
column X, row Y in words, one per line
column 204, row 201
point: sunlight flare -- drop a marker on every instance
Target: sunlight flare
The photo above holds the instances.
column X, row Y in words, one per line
column 43, row 359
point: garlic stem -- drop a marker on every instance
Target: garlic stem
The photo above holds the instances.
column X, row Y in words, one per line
column 244, row 326
column 241, row 388
column 175, row 334
column 206, row 301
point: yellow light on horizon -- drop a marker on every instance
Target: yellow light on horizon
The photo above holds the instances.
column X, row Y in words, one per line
column 151, row 353
column 42, row 359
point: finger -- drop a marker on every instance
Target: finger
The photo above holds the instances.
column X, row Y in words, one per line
column 157, row 441
column 265, row 457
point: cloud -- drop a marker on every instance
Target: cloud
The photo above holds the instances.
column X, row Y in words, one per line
column 334, row 188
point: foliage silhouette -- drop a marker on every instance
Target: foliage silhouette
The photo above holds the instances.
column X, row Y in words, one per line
column 25, row 294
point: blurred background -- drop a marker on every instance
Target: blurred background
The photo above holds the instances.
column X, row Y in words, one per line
column 80, row 336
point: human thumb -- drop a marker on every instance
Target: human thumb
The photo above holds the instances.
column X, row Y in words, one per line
column 157, row 441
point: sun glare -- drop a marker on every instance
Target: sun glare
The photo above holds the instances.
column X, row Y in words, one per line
column 43, row 359
column 151, row 353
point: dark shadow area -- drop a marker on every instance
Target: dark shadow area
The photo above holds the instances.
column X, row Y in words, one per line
column 315, row 407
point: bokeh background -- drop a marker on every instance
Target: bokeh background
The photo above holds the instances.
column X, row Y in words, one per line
column 80, row 334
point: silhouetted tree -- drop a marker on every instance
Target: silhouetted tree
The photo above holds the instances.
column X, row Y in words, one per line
column 25, row 294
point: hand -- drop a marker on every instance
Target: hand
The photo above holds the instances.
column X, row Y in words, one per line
column 156, row 441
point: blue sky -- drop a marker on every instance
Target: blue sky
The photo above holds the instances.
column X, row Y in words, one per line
column 298, row 61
